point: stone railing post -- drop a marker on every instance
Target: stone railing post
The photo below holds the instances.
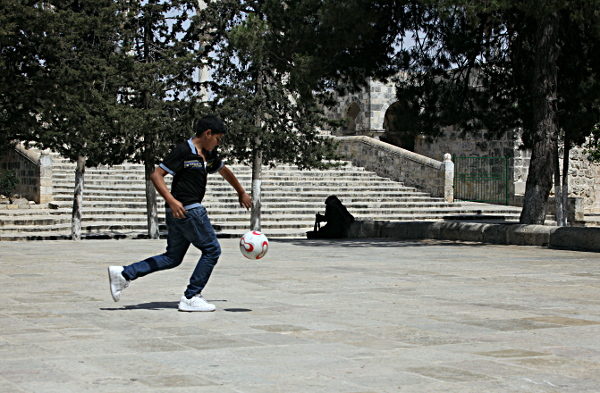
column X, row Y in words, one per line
column 447, row 175
column 45, row 185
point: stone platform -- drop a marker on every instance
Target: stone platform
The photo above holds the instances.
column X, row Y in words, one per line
column 353, row 316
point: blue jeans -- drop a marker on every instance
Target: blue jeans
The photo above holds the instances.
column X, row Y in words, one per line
column 195, row 228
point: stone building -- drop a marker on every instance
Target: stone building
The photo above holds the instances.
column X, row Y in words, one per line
column 368, row 113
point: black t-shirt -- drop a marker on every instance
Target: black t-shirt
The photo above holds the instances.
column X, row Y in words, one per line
column 189, row 172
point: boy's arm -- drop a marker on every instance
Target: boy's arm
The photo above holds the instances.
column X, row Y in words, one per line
column 244, row 198
column 158, row 179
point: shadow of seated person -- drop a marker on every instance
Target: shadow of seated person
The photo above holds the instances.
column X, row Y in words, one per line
column 338, row 221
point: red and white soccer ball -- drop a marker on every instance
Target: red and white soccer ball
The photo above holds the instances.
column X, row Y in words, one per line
column 254, row 245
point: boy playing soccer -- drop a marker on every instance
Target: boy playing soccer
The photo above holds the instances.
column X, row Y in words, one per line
column 187, row 221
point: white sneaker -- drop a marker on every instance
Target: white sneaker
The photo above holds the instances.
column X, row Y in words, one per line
column 197, row 303
column 117, row 281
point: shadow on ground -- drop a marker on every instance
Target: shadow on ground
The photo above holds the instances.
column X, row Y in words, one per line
column 373, row 242
column 156, row 306
column 144, row 306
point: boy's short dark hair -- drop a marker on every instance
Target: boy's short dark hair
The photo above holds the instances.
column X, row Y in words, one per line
column 209, row 122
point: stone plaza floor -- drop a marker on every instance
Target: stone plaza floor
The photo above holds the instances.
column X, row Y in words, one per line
column 355, row 316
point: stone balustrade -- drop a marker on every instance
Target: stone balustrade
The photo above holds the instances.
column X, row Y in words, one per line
column 414, row 170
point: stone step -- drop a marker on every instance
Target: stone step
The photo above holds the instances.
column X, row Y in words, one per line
column 133, row 234
column 114, row 202
column 274, row 192
column 277, row 176
column 225, row 214
column 115, row 230
column 221, row 219
column 266, row 189
column 29, row 212
column 13, row 222
column 267, row 206
column 315, row 198
column 342, row 166
column 373, row 200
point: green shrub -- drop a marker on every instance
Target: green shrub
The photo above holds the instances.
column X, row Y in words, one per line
column 8, row 184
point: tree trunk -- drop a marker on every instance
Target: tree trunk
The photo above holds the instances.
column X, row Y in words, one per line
column 78, row 199
column 151, row 199
column 565, row 182
column 149, row 160
column 558, row 200
column 257, row 162
column 539, row 179
column 256, row 189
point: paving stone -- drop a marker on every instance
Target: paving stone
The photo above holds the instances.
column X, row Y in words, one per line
column 313, row 316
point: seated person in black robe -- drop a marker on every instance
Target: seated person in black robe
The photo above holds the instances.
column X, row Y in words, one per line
column 338, row 221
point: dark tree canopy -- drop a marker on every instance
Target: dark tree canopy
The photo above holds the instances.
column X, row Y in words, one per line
column 328, row 44
column 503, row 66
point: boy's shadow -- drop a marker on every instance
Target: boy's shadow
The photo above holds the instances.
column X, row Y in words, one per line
column 156, row 306
column 143, row 306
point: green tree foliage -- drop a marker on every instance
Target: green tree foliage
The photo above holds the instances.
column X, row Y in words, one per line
column 8, row 184
column 160, row 96
column 63, row 58
column 76, row 80
column 21, row 28
column 99, row 81
column 593, row 145
column 162, row 37
column 269, row 121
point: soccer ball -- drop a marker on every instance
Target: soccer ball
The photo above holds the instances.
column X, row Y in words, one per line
column 254, row 245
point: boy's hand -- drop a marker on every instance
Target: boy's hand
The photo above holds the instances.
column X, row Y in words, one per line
column 245, row 201
column 177, row 209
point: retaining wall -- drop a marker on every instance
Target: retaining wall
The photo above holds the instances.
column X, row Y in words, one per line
column 570, row 238
column 34, row 170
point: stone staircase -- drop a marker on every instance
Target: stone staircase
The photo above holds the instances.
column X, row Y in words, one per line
column 114, row 203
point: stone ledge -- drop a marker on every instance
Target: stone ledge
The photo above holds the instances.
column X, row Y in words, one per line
column 569, row 238
column 5, row 206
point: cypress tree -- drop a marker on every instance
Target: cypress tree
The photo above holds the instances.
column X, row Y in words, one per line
column 270, row 123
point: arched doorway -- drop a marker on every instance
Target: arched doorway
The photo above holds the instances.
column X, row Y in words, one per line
column 394, row 132
column 352, row 115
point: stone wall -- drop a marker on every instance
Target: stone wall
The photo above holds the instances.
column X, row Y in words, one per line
column 382, row 96
column 468, row 145
column 361, row 122
column 584, row 180
column 584, row 176
column 414, row 170
column 34, row 170
column 372, row 103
